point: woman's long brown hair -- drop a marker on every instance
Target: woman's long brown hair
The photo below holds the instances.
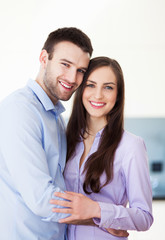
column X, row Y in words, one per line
column 102, row 160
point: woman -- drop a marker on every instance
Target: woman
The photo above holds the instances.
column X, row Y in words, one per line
column 107, row 166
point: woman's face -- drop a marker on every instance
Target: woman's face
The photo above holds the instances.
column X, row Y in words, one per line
column 100, row 92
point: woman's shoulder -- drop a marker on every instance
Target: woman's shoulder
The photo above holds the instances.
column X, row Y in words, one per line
column 130, row 142
column 128, row 136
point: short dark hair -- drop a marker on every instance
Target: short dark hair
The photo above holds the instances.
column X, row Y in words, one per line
column 70, row 34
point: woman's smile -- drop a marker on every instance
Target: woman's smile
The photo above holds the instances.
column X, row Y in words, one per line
column 97, row 104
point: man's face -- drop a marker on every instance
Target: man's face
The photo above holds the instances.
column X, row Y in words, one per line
column 64, row 72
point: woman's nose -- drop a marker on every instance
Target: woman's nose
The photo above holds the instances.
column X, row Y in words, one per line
column 98, row 93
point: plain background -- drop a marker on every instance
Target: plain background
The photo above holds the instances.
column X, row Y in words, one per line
column 130, row 31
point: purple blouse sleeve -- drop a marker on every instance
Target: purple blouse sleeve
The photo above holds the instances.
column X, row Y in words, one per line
column 138, row 215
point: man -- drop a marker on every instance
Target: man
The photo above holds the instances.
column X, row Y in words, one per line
column 32, row 139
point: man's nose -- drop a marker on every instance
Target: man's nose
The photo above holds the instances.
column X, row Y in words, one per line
column 72, row 75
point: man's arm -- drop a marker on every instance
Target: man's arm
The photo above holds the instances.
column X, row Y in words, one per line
column 89, row 222
column 25, row 159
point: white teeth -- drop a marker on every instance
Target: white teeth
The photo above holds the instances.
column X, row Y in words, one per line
column 65, row 85
column 97, row 104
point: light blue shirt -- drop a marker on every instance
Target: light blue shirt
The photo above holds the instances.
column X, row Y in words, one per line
column 32, row 160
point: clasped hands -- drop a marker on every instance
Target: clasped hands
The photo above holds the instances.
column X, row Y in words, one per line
column 82, row 210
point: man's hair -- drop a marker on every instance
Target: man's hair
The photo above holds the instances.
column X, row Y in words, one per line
column 70, row 34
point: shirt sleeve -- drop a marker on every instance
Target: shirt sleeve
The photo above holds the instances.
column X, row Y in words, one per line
column 22, row 149
column 138, row 216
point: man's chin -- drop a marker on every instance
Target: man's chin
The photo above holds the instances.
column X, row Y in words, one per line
column 66, row 98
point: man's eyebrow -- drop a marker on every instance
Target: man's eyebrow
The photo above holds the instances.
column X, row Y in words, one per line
column 66, row 60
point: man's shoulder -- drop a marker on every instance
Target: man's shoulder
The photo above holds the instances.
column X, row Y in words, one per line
column 21, row 104
column 20, row 97
column 20, row 109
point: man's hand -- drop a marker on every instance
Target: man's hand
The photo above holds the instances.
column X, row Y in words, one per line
column 118, row 233
column 87, row 222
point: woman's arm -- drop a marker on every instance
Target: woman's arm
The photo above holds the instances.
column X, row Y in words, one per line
column 135, row 174
column 81, row 207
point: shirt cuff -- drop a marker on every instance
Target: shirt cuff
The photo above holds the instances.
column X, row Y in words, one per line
column 106, row 215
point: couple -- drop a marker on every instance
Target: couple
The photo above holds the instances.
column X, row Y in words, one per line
column 106, row 166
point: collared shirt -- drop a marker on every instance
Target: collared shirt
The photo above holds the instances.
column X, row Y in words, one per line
column 131, row 183
column 32, row 160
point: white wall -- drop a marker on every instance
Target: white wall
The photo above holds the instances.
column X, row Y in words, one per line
column 131, row 31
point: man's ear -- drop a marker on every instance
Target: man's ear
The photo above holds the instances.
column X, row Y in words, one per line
column 43, row 58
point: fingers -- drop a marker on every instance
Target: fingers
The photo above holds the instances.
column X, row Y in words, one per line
column 80, row 206
column 62, row 210
column 65, row 220
column 73, row 193
column 66, row 196
column 61, row 203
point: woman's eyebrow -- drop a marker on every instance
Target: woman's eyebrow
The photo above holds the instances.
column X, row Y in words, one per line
column 91, row 81
column 109, row 83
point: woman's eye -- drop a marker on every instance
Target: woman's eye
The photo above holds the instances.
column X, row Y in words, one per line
column 109, row 87
column 90, row 85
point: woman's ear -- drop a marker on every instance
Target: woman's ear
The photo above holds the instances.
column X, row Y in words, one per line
column 43, row 58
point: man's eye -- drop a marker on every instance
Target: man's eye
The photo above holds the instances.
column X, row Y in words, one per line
column 65, row 64
column 81, row 71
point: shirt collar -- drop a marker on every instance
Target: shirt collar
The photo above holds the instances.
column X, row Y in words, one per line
column 98, row 134
column 44, row 99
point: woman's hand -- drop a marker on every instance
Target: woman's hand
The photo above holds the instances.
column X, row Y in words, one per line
column 82, row 210
column 79, row 206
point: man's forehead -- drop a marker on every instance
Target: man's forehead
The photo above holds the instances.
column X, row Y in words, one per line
column 67, row 51
column 66, row 47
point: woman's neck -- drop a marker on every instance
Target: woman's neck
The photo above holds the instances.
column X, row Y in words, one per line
column 95, row 125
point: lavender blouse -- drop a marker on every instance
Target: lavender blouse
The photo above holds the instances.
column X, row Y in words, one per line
column 126, row 202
